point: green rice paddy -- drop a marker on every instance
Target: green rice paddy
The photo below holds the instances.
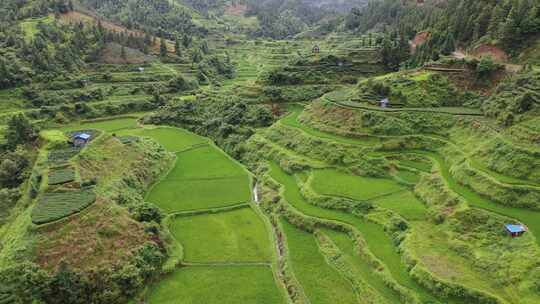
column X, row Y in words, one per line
column 347, row 247
column 355, row 187
column 404, row 203
column 182, row 195
column 321, row 283
column 110, row 125
column 205, row 163
column 378, row 241
column 233, row 236
column 173, row 139
column 217, row 285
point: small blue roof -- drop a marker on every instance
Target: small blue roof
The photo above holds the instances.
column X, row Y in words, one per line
column 515, row 228
column 84, row 136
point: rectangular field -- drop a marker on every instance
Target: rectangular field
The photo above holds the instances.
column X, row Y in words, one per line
column 205, row 162
column 321, row 283
column 107, row 125
column 173, row 139
column 335, row 183
column 183, row 195
column 233, row 236
column 217, row 285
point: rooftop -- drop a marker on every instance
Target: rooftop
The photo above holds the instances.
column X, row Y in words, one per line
column 515, row 228
column 84, row 136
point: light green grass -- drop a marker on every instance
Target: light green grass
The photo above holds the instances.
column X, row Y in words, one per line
column 173, row 139
column 321, row 282
column 404, row 203
column 419, row 165
column 346, row 245
column 105, row 125
column 530, row 218
column 335, row 183
column 233, row 236
column 407, row 176
column 205, row 162
column 379, row 243
column 217, row 285
column 291, row 120
column 185, row 195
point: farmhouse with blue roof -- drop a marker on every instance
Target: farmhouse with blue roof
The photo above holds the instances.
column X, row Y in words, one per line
column 81, row 139
column 515, row 230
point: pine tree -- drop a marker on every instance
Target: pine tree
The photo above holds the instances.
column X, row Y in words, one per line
column 123, row 52
column 163, row 48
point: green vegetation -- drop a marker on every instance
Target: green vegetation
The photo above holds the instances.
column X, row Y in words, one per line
column 355, row 187
column 54, row 206
column 342, row 198
column 321, row 283
column 215, row 285
column 235, row 237
column 61, row 176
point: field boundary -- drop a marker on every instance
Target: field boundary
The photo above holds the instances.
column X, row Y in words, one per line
column 217, row 210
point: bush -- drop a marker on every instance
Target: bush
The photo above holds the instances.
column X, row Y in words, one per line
column 146, row 212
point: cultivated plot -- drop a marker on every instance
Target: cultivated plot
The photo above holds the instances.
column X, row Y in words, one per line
column 336, row 183
column 236, row 236
column 217, row 285
column 321, row 282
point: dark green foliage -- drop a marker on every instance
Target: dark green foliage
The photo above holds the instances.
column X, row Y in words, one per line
column 28, row 283
column 57, row 205
column 451, row 23
column 513, row 98
column 20, row 131
column 159, row 17
column 229, row 122
column 146, row 212
column 181, row 84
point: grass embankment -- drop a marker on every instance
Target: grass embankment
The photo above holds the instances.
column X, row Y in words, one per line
column 529, row 217
column 378, row 241
column 321, row 283
column 347, row 247
column 225, row 250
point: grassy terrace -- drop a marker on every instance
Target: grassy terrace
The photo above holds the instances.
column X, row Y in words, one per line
column 529, row 217
column 378, row 241
column 321, row 283
column 347, row 247
column 223, row 250
column 236, row 236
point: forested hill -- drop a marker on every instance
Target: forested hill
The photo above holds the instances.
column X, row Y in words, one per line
column 509, row 24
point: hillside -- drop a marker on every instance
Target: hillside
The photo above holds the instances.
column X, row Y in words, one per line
column 295, row 152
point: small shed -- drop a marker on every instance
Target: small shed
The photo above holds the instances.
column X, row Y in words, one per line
column 384, row 103
column 316, row 49
column 81, row 139
column 515, row 230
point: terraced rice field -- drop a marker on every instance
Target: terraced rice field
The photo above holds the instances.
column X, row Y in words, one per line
column 237, row 236
column 321, row 283
column 223, row 250
column 378, row 241
column 217, row 284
